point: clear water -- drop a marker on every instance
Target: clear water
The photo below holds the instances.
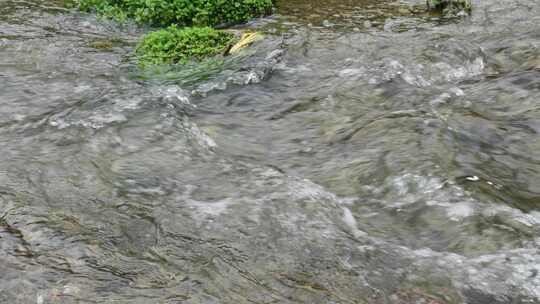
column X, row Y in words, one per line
column 364, row 152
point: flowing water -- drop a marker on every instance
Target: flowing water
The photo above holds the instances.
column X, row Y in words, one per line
column 364, row 152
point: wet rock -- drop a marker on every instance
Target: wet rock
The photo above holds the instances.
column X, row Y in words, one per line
column 101, row 44
column 448, row 7
column 533, row 64
column 138, row 235
column 404, row 11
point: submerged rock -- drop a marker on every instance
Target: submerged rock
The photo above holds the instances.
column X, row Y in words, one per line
column 101, row 44
column 449, row 6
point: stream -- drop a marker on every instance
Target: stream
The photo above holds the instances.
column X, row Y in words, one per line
column 364, row 152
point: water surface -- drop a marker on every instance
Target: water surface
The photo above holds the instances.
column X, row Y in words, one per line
column 364, row 152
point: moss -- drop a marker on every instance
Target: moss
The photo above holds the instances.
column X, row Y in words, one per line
column 179, row 45
column 180, row 12
column 101, row 44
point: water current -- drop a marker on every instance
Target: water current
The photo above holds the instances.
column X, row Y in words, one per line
column 363, row 152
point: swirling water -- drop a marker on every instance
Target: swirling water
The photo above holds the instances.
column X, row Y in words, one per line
column 364, row 152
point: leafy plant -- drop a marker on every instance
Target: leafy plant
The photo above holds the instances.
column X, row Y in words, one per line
column 180, row 12
column 173, row 44
column 179, row 45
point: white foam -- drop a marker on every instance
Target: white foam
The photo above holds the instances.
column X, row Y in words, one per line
column 349, row 219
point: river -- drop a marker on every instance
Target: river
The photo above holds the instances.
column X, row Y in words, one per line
column 363, row 152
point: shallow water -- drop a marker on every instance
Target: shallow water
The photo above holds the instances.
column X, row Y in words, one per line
column 364, row 152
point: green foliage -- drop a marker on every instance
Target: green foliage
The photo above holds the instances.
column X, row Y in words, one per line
column 173, row 44
column 176, row 45
column 104, row 8
column 180, row 12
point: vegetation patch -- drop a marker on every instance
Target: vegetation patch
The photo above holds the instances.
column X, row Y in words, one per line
column 179, row 45
column 180, row 12
column 187, row 34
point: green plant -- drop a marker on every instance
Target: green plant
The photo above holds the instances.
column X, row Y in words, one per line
column 104, row 8
column 180, row 12
column 179, row 45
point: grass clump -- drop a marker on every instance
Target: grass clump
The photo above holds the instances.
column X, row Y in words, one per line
column 179, row 45
column 180, row 12
column 105, row 8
